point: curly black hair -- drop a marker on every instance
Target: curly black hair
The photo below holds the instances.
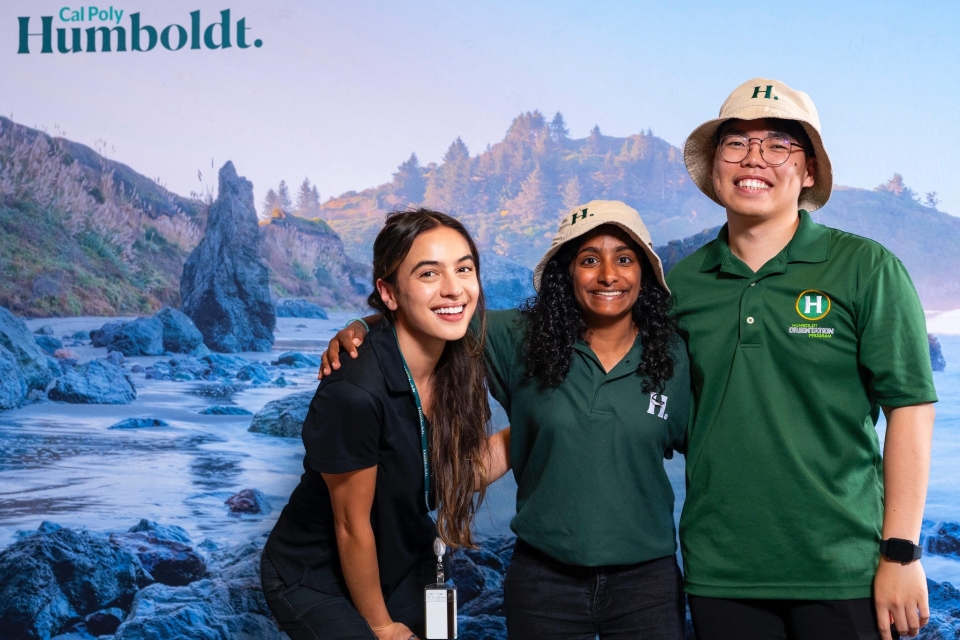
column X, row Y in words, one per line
column 555, row 322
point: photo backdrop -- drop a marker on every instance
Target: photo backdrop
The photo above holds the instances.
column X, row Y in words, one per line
column 151, row 395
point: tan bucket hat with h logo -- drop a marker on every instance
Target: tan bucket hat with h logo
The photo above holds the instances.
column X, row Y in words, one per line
column 586, row 217
column 753, row 100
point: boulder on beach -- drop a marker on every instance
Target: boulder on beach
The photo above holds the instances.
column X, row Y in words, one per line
column 299, row 308
column 168, row 562
column 13, row 386
column 45, row 330
column 225, row 284
column 96, row 382
column 54, row 577
column 248, row 501
column 255, row 373
column 139, row 423
column 101, row 337
column 937, row 361
column 49, row 344
column 37, row 367
column 141, row 337
column 180, row 334
column 227, row 605
column 944, row 601
column 164, row 531
column 944, row 539
column 284, row 417
column 225, row 410
column 297, row 359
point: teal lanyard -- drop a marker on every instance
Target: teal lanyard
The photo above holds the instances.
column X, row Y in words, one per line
column 423, row 425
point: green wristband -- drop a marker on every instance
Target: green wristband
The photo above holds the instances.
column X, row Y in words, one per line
column 360, row 320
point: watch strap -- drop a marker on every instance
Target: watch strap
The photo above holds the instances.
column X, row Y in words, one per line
column 900, row 550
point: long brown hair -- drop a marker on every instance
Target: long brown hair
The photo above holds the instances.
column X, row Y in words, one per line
column 460, row 411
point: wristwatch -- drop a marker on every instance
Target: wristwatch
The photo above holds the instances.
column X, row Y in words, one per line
column 900, row 550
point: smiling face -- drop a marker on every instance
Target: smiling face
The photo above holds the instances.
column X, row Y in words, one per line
column 436, row 288
column 752, row 187
column 606, row 275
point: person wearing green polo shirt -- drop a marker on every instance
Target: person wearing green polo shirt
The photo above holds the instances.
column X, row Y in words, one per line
column 795, row 526
column 596, row 384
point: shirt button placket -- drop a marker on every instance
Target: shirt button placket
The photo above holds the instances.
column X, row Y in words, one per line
column 750, row 307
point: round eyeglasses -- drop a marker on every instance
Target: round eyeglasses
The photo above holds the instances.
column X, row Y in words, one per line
column 775, row 150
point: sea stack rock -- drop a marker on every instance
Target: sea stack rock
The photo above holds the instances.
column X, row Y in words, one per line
column 937, row 361
column 225, row 287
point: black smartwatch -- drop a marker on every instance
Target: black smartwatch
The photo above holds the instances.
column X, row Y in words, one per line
column 900, row 550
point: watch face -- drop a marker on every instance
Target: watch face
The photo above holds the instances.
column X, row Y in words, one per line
column 900, row 550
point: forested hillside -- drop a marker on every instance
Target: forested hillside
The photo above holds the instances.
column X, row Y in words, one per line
column 512, row 194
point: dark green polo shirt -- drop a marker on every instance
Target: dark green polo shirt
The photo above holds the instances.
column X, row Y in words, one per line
column 588, row 455
column 790, row 366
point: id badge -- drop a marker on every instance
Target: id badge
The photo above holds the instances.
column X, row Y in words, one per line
column 440, row 601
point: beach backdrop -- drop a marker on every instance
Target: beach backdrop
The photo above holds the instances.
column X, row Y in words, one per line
column 189, row 194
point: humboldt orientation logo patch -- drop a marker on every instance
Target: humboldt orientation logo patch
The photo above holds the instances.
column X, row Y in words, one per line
column 813, row 305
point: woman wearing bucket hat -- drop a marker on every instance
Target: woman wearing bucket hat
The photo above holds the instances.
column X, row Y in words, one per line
column 794, row 525
column 596, row 385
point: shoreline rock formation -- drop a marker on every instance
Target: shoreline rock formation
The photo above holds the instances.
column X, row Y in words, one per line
column 225, row 284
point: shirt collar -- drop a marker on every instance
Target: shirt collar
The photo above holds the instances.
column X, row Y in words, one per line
column 810, row 243
column 633, row 355
column 384, row 343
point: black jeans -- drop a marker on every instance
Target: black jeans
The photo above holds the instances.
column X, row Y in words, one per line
column 308, row 614
column 545, row 598
column 743, row 619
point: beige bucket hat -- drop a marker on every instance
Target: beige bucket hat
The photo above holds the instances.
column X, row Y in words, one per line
column 587, row 217
column 755, row 99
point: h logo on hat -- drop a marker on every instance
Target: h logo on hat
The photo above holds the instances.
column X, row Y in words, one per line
column 580, row 216
column 766, row 94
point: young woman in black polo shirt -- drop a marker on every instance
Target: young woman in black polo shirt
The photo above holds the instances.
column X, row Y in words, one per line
column 352, row 550
column 596, row 384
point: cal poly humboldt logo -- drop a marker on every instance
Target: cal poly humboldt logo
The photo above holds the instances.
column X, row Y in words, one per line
column 813, row 305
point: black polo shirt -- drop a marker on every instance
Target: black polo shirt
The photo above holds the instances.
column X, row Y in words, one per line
column 363, row 415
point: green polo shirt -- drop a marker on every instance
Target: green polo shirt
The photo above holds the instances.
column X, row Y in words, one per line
column 790, row 366
column 588, row 455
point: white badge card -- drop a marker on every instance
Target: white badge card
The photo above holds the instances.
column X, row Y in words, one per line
column 440, row 600
column 441, row 603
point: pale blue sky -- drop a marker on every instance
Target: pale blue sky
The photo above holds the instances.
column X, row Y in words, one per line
column 343, row 92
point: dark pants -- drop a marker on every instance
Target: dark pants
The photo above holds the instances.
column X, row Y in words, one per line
column 728, row 619
column 308, row 614
column 545, row 598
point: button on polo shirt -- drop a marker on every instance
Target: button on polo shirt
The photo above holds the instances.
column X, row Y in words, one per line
column 790, row 366
column 588, row 455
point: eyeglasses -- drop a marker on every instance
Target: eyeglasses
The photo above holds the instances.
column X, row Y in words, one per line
column 775, row 150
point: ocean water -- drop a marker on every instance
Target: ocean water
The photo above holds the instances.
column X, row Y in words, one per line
column 62, row 463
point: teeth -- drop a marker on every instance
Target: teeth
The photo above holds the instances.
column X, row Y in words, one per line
column 449, row 310
column 750, row 183
column 608, row 294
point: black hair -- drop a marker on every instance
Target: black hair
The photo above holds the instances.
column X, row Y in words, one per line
column 555, row 322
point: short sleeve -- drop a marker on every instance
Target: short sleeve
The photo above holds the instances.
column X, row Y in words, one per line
column 342, row 430
column 503, row 353
column 892, row 330
column 680, row 405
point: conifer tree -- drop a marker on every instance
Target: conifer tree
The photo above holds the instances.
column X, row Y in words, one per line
column 448, row 189
column 408, row 182
column 271, row 202
column 283, row 197
column 308, row 200
column 571, row 193
column 529, row 205
column 558, row 128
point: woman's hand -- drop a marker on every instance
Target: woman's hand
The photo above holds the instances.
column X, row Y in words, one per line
column 349, row 338
column 394, row 631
